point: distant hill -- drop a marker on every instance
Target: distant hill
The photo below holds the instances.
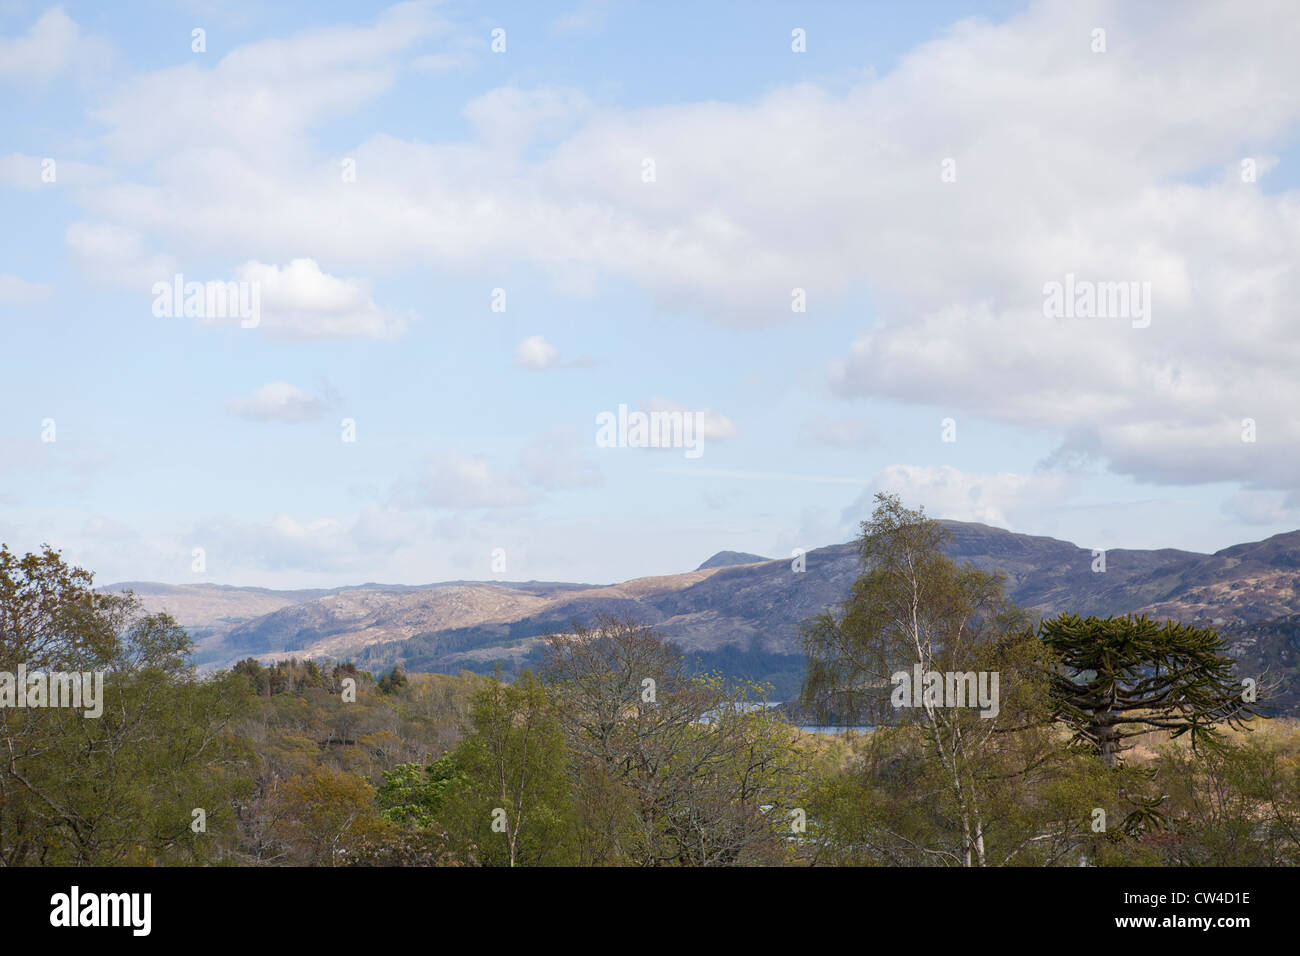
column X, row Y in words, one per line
column 726, row 559
column 737, row 611
column 1270, row 648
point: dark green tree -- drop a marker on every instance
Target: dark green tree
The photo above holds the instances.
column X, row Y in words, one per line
column 412, row 794
column 509, row 804
column 119, row 783
column 393, row 681
column 1121, row 677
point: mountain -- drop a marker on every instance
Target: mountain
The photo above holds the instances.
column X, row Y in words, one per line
column 207, row 609
column 726, row 559
column 739, row 612
column 1270, row 648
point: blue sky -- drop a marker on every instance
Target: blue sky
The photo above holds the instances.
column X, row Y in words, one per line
column 523, row 170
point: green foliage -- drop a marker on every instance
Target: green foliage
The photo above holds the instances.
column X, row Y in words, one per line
column 325, row 815
column 120, row 787
column 509, row 806
column 624, row 755
column 393, row 681
column 1120, row 677
column 669, row 767
column 1236, row 804
column 910, row 604
column 413, row 794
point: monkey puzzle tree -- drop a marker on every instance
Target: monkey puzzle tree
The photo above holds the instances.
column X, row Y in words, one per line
column 1121, row 677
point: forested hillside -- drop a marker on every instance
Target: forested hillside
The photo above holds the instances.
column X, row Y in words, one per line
column 1121, row 740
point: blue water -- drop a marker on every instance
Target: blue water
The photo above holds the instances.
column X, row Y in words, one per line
column 827, row 729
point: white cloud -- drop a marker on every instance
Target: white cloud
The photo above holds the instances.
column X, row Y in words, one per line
column 16, row 290
column 509, row 118
column 278, row 402
column 827, row 191
column 117, row 256
column 714, row 426
column 1001, row 499
column 536, row 353
column 53, row 45
column 302, row 302
column 258, row 98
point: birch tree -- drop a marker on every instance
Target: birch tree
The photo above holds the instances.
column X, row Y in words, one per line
column 913, row 611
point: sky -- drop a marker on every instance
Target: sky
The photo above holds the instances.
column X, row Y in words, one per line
column 826, row 233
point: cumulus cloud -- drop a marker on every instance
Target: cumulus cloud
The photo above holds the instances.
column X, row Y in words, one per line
column 278, row 402
column 536, row 353
column 1114, row 193
column 807, row 188
column 300, row 301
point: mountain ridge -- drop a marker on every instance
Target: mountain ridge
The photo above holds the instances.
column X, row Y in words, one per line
column 730, row 610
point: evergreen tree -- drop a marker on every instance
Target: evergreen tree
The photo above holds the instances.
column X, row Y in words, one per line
column 1120, row 677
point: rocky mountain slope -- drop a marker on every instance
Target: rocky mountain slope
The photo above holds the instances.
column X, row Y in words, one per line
column 739, row 609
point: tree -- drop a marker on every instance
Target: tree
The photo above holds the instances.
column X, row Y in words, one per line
column 668, row 767
column 413, row 794
column 510, row 806
column 326, row 815
column 912, row 611
column 122, row 785
column 1120, row 677
column 393, row 681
